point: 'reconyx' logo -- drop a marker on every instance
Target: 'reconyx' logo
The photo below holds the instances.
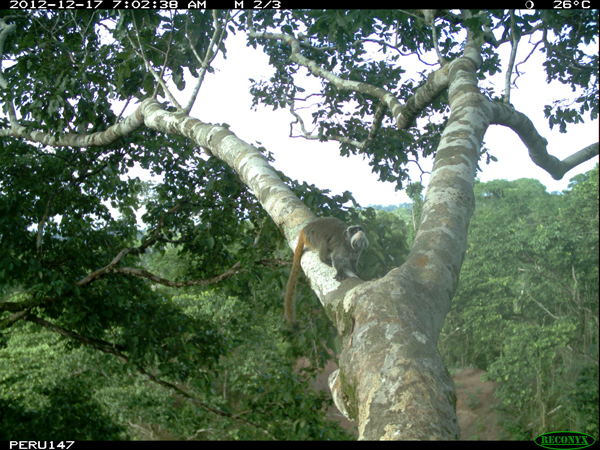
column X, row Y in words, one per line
column 564, row 439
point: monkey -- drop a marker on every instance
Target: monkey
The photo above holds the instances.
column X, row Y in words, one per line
column 338, row 245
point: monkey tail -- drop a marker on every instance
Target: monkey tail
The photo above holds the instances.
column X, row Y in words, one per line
column 288, row 303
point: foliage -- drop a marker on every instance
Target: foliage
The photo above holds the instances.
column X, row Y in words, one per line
column 572, row 28
column 50, row 391
column 257, row 377
column 254, row 380
column 369, row 46
column 527, row 304
column 388, row 246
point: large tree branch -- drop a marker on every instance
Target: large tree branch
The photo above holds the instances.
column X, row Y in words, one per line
column 6, row 30
column 98, row 139
column 536, row 144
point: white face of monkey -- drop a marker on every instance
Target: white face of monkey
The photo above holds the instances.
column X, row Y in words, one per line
column 359, row 239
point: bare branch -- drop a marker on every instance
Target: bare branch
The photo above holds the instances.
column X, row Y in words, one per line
column 106, row 269
column 111, row 267
column 41, row 226
column 99, row 344
column 158, row 78
column 527, row 57
column 376, row 125
column 299, row 121
column 216, row 41
column 430, row 16
column 166, row 54
column 542, row 306
column 5, row 323
column 579, row 157
column 514, row 42
column 423, row 172
column 141, row 273
column 332, row 137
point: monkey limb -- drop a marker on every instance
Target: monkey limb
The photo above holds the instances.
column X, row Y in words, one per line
column 338, row 245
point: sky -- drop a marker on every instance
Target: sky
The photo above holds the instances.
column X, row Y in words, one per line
column 225, row 98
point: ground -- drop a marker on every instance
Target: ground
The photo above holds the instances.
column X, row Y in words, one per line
column 477, row 417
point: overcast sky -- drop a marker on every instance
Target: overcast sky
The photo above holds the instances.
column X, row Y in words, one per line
column 225, row 97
